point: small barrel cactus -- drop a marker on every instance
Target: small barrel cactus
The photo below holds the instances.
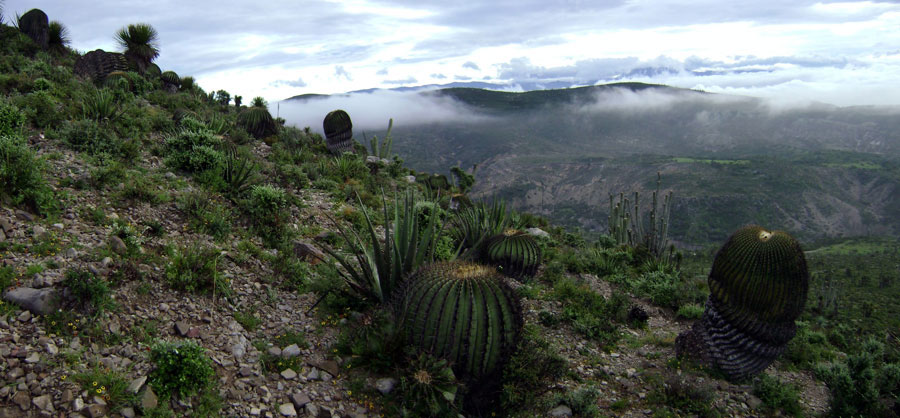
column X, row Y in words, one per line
column 170, row 80
column 462, row 312
column 758, row 286
column 516, row 253
column 258, row 122
column 338, row 132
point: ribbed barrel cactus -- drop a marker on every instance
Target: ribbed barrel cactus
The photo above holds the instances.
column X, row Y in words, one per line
column 258, row 122
column 170, row 80
column 36, row 25
column 98, row 63
column 516, row 253
column 338, row 132
column 462, row 312
column 758, row 286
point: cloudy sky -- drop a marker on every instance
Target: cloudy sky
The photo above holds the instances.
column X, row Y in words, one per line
column 839, row 52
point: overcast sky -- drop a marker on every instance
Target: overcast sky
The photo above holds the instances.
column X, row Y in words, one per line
column 844, row 53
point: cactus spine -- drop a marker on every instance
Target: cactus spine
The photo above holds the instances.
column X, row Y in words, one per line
column 515, row 252
column 758, row 287
column 338, row 132
column 463, row 312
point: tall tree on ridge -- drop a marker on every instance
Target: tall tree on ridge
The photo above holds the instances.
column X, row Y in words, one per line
column 140, row 43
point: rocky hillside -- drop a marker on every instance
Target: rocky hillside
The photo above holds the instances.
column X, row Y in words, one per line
column 164, row 254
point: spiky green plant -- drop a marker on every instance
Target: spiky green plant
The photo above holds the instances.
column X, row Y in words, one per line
column 101, row 106
column 59, row 38
column 758, row 286
column 474, row 224
column 170, row 78
column 429, row 387
column 515, row 253
column 338, row 132
column 383, row 150
column 237, row 171
column 258, row 122
column 258, row 101
column 139, row 42
column 462, row 312
column 382, row 264
column 626, row 223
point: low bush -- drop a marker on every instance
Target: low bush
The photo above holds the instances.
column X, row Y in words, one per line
column 181, row 369
column 21, row 177
column 777, row 396
column 195, row 269
column 89, row 293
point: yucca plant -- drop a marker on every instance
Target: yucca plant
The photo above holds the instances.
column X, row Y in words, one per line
column 382, row 264
column 258, row 101
column 59, row 38
column 463, row 312
column 217, row 124
column 140, row 44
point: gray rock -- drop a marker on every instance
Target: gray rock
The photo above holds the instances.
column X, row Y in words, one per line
column 5, row 225
column 239, row 347
column 289, row 374
column 25, row 216
column 410, row 179
column 149, row 400
column 22, row 399
column 754, row 402
column 107, row 261
column 313, row 374
column 306, row 251
column 117, row 245
column 33, row 358
column 96, row 410
column 25, row 316
column 287, row 410
column 2, row 235
column 182, row 328
column 290, row 351
column 312, row 410
column 136, row 384
column 78, row 404
column 39, row 231
column 329, row 366
column 127, row 412
column 52, row 349
column 300, row 400
column 274, row 351
column 385, row 385
column 561, row 411
column 537, row 232
column 44, row 403
column 36, row 301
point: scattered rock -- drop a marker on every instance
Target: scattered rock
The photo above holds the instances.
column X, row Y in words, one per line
column 127, row 412
column 25, row 216
column 306, row 251
column 96, row 410
column 117, row 245
column 71, row 253
column 300, row 400
column 410, row 179
column 385, row 385
column 313, row 374
column 561, row 411
column 289, row 374
column 78, row 404
column 136, row 384
column 149, row 400
column 5, row 225
column 33, row 358
column 754, row 402
column 182, row 328
column 287, row 410
column 22, row 399
column 329, row 366
column 36, row 301
column 290, row 351
column 44, row 403
column 274, row 351
column 537, row 232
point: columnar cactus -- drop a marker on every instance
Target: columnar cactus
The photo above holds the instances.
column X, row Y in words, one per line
column 463, row 312
column 97, row 64
column 36, row 25
column 515, row 253
column 338, row 132
column 758, row 286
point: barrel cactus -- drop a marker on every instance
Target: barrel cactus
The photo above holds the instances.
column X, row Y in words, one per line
column 338, row 131
column 97, row 64
column 516, row 253
column 170, row 80
column 36, row 25
column 258, row 122
column 462, row 312
column 758, row 286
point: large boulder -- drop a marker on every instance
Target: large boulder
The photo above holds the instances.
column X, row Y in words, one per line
column 36, row 25
column 37, row 301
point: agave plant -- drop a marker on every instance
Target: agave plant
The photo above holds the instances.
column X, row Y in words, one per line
column 101, row 107
column 429, row 387
column 139, row 42
column 237, row 171
column 58, row 37
column 382, row 264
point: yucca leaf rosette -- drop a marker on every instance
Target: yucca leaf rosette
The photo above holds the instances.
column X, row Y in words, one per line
column 462, row 312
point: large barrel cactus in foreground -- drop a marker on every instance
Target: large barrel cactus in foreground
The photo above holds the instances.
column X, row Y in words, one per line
column 758, row 285
column 462, row 312
column 515, row 252
column 338, row 132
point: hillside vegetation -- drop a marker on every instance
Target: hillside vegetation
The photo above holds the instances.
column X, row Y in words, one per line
column 168, row 251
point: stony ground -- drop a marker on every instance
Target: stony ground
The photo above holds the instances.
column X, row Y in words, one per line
column 36, row 367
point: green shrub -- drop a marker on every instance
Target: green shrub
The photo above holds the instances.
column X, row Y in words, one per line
column 193, row 148
column 589, row 313
column 87, row 135
column 690, row 311
column 41, row 108
column 205, row 214
column 858, row 383
column 181, row 369
column 11, row 120
column 109, row 385
column 21, row 178
column 89, row 293
column 267, row 208
column 195, row 269
column 777, row 395
column 533, row 368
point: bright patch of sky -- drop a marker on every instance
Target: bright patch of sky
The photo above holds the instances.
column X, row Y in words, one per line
column 839, row 52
